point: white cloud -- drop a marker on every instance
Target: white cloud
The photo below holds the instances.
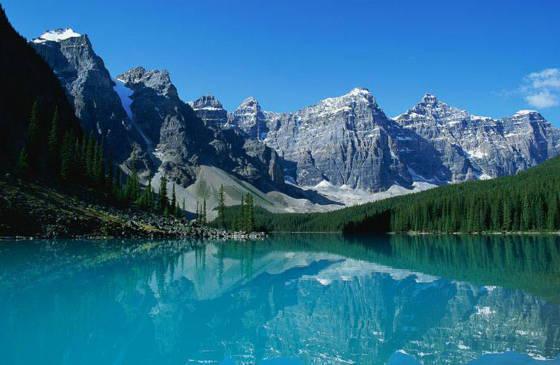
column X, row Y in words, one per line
column 543, row 99
column 546, row 79
column 542, row 89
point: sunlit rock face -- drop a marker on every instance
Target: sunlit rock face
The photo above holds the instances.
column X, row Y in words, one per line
column 210, row 110
column 250, row 118
column 346, row 140
column 144, row 124
column 475, row 147
column 349, row 141
column 89, row 87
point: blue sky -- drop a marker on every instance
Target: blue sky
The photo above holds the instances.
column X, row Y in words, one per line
column 489, row 57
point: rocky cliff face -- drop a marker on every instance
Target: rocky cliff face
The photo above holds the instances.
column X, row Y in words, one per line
column 475, row 147
column 346, row 140
column 180, row 141
column 89, row 87
column 349, row 142
column 250, row 118
column 144, row 123
column 210, row 110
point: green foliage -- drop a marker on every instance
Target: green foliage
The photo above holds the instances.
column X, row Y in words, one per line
column 40, row 136
column 243, row 217
column 22, row 165
column 173, row 208
column 67, row 161
column 163, row 200
column 132, row 187
column 249, row 214
column 528, row 201
column 53, row 145
column 204, row 221
column 34, row 139
column 221, row 207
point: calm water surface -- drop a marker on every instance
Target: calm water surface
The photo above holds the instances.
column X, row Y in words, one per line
column 315, row 299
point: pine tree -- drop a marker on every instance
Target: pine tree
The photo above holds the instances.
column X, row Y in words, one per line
column 132, row 187
column 109, row 178
column 67, row 158
column 506, row 225
column 99, row 167
column 173, row 201
column 525, row 214
column 163, row 201
column 22, row 165
column 78, row 170
column 117, row 188
column 249, row 214
column 150, row 195
column 241, row 218
column 52, row 144
column 89, row 158
column 204, row 211
column 222, row 207
column 552, row 218
column 33, row 140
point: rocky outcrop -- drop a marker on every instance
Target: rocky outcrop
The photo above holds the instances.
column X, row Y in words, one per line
column 144, row 124
column 349, row 142
column 182, row 141
column 250, row 118
column 210, row 110
column 89, row 87
column 346, row 140
column 475, row 147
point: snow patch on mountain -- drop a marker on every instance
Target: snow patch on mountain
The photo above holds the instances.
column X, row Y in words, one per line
column 125, row 94
column 56, row 35
column 349, row 196
column 525, row 112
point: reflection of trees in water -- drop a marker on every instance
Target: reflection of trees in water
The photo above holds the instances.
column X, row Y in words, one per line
column 161, row 303
column 527, row 262
column 521, row 262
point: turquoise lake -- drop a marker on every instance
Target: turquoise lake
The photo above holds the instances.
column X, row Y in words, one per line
column 290, row 299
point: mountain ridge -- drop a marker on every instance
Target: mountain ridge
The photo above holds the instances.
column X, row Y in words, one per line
column 346, row 141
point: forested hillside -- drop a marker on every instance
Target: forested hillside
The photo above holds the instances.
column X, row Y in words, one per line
column 51, row 171
column 525, row 202
column 28, row 84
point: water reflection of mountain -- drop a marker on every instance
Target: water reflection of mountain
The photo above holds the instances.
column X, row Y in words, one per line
column 323, row 300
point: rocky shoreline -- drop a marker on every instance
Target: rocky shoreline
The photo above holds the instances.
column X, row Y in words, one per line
column 33, row 211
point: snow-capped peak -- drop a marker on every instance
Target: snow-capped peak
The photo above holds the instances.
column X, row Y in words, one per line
column 429, row 99
column 249, row 100
column 208, row 102
column 525, row 112
column 57, row 35
column 359, row 91
column 249, row 103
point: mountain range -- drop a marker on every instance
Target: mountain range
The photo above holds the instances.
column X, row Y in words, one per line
column 342, row 150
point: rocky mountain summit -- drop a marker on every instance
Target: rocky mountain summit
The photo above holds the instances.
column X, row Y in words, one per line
column 349, row 142
column 250, row 118
column 339, row 147
column 210, row 110
column 346, row 141
column 89, row 87
column 145, row 125
column 474, row 147
column 180, row 142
